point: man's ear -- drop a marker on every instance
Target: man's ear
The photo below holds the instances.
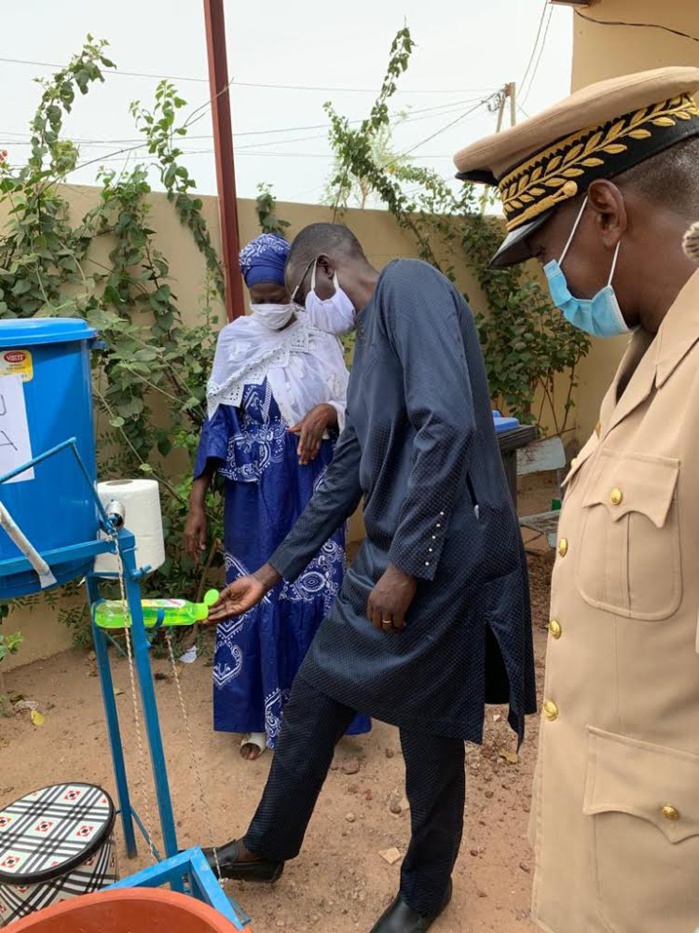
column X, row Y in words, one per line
column 609, row 211
column 325, row 266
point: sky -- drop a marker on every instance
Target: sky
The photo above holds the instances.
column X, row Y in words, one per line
column 285, row 60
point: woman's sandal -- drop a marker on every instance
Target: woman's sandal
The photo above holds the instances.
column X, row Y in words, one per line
column 256, row 740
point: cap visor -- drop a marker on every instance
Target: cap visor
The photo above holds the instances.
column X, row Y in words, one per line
column 515, row 248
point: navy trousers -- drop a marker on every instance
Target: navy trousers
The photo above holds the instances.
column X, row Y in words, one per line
column 312, row 725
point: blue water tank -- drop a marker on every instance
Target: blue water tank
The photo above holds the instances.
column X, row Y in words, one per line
column 45, row 399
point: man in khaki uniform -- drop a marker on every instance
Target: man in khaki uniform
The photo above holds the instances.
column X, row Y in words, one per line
column 601, row 189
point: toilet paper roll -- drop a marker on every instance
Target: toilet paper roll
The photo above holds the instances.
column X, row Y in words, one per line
column 141, row 501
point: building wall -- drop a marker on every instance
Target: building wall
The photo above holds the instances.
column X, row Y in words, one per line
column 601, row 52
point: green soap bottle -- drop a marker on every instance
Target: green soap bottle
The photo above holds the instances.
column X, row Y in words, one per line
column 111, row 615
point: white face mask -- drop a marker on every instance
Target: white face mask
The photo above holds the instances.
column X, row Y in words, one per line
column 334, row 315
column 273, row 316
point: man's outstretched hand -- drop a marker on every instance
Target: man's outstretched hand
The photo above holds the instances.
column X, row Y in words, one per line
column 241, row 595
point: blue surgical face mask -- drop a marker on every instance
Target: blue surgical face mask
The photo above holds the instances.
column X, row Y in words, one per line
column 600, row 315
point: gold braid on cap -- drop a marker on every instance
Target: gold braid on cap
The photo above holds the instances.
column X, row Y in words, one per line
column 560, row 171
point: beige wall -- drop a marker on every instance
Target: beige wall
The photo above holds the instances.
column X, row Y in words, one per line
column 607, row 51
column 379, row 234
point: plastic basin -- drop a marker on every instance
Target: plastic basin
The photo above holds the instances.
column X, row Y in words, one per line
column 128, row 910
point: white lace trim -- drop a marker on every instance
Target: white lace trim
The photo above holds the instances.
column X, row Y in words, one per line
column 303, row 366
column 255, row 368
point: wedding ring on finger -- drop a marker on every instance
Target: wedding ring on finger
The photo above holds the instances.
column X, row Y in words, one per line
column 387, row 623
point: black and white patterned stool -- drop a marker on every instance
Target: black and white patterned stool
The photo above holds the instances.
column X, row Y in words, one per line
column 55, row 844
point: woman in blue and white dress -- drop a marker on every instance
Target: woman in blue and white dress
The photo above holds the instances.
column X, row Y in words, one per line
column 276, row 402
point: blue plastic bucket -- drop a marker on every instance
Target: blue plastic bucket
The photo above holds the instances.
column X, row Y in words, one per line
column 45, row 399
column 504, row 423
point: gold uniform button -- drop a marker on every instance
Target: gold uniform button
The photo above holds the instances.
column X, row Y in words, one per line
column 555, row 629
column 574, row 462
column 616, row 496
column 670, row 813
column 563, row 547
column 550, row 710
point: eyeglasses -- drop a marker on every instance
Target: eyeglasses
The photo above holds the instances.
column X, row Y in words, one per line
column 298, row 287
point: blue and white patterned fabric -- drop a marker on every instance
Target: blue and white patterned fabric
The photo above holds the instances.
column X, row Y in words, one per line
column 264, row 259
column 258, row 654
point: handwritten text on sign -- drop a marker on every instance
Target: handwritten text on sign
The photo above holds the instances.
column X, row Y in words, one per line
column 15, row 443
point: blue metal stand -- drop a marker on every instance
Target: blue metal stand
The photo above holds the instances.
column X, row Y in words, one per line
column 189, row 871
column 82, row 551
column 141, row 650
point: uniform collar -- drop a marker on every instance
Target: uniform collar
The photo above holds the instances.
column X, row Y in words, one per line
column 679, row 331
column 654, row 362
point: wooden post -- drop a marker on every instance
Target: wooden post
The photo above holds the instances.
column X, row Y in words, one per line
column 501, row 108
column 223, row 149
column 503, row 95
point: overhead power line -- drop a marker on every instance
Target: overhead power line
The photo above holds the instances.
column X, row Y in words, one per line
column 544, row 10
column 254, row 84
column 615, row 22
column 542, row 46
column 448, row 126
column 413, row 116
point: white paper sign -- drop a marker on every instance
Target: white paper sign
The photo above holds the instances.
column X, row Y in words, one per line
column 15, row 443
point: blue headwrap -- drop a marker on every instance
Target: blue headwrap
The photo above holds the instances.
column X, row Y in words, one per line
column 263, row 259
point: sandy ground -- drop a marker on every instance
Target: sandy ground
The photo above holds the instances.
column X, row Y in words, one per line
column 340, row 883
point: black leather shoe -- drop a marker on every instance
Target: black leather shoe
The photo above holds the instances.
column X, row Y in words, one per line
column 400, row 918
column 233, row 869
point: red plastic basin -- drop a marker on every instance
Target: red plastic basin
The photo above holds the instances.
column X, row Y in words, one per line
column 128, row 910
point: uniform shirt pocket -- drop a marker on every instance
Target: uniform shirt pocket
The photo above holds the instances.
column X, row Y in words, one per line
column 629, row 558
column 642, row 802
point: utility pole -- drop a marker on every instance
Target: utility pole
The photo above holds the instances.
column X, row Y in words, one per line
column 513, row 103
column 498, row 103
column 223, row 149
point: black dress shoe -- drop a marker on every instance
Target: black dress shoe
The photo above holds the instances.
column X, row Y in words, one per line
column 400, row 918
column 233, row 869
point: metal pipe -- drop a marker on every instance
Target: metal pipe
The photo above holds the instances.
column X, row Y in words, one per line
column 64, row 445
column 46, row 577
column 33, row 462
column 223, row 149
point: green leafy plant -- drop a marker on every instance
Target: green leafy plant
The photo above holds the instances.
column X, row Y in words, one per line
column 150, row 377
column 266, row 209
column 161, row 131
column 9, row 644
column 40, row 252
column 346, row 190
column 526, row 342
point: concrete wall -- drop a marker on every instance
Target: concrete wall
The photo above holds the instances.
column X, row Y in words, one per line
column 601, row 52
column 378, row 233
